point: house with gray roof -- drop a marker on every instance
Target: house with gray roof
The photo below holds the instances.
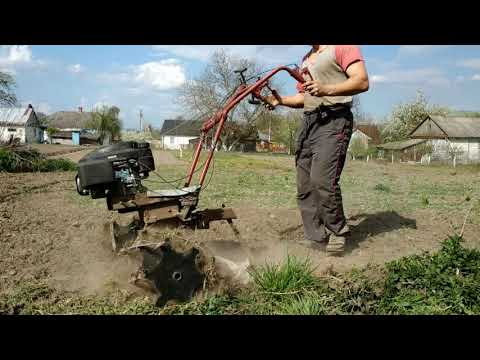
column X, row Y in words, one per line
column 72, row 128
column 451, row 137
column 20, row 124
column 177, row 133
column 69, row 120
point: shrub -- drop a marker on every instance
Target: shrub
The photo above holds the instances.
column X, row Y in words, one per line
column 20, row 160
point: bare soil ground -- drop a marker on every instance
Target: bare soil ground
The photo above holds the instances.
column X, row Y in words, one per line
column 49, row 232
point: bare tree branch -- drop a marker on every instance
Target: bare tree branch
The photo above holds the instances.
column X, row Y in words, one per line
column 7, row 83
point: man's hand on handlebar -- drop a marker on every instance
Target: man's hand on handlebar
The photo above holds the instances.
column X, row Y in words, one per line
column 271, row 102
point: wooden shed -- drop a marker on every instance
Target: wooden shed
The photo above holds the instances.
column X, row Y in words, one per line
column 451, row 137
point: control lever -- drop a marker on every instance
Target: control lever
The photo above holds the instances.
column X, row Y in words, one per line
column 242, row 77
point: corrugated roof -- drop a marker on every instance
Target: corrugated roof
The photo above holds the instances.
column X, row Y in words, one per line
column 452, row 126
column 458, row 127
column 69, row 119
column 401, row 145
column 14, row 115
column 181, row 128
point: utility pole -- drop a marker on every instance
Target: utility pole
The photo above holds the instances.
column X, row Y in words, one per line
column 270, row 133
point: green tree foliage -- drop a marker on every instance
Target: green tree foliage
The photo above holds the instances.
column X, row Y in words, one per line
column 7, row 83
column 357, row 149
column 105, row 120
column 405, row 117
column 52, row 131
column 288, row 127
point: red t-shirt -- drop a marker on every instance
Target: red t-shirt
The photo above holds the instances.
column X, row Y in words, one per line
column 345, row 55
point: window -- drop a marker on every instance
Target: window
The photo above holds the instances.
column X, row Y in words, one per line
column 12, row 130
column 172, row 140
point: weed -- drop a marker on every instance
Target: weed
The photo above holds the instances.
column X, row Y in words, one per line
column 445, row 282
column 310, row 303
column 381, row 187
column 424, row 200
column 291, row 277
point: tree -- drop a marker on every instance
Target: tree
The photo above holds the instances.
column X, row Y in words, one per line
column 205, row 95
column 454, row 152
column 7, row 83
column 358, row 113
column 287, row 130
column 105, row 120
column 357, row 149
column 52, row 131
column 406, row 117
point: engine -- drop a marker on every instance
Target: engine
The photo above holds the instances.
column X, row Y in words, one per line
column 115, row 170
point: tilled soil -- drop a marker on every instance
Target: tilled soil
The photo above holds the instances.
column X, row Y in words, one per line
column 49, row 232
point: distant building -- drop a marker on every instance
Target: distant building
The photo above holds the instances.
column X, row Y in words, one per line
column 178, row 133
column 72, row 128
column 450, row 137
column 266, row 144
column 20, row 124
column 405, row 151
column 368, row 134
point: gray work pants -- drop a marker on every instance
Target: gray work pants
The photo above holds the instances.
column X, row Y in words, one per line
column 321, row 152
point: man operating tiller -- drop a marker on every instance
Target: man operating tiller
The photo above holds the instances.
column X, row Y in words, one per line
column 333, row 74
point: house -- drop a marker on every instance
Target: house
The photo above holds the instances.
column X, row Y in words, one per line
column 22, row 124
column 178, row 133
column 451, row 138
column 407, row 150
column 266, row 144
column 72, row 128
column 367, row 134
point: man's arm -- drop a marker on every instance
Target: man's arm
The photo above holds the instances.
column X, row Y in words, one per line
column 294, row 101
column 356, row 83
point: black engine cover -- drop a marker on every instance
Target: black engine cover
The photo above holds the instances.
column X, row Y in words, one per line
column 97, row 169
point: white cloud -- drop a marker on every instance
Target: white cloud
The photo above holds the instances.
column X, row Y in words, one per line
column 13, row 56
column 476, row 77
column 203, row 52
column 420, row 49
column 156, row 75
column 134, row 91
column 101, row 104
column 76, row 68
column 160, row 75
column 378, row 79
column 425, row 76
column 266, row 54
column 121, row 77
column 470, row 63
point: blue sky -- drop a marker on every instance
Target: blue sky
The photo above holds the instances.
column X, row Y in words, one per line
column 54, row 78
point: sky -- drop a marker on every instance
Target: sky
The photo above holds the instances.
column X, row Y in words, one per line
column 62, row 78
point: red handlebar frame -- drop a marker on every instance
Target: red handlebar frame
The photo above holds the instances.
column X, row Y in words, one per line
column 221, row 116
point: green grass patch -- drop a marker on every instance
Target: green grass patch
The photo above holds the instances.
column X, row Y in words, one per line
column 382, row 187
column 19, row 160
column 447, row 282
column 444, row 282
column 292, row 276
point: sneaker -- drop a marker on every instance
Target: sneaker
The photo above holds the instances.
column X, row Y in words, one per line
column 316, row 245
column 337, row 243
